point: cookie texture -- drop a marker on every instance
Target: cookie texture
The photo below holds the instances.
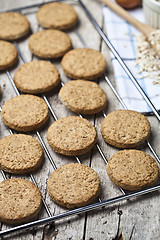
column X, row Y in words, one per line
column 57, row 15
column 125, row 128
column 8, row 55
column 83, row 63
column 36, row 77
column 83, row 97
column 20, row 154
column 132, row 169
column 20, row 201
column 13, row 25
column 71, row 136
column 25, row 113
column 73, row 185
column 49, row 43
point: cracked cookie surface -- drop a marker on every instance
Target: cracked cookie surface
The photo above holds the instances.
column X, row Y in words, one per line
column 72, row 136
column 36, row 77
column 57, row 15
column 20, row 201
column 73, row 185
column 20, row 153
column 13, row 25
column 132, row 169
column 49, row 43
column 125, row 128
column 25, row 113
column 83, row 63
column 8, row 56
column 83, row 97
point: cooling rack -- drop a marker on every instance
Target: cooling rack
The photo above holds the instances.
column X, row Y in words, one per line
column 100, row 203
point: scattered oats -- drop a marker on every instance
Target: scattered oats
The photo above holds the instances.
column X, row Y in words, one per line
column 154, row 38
column 140, row 77
column 155, row 82
column 146, row 58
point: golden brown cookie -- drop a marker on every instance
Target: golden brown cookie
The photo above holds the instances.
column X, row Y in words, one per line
column 132, row 169
column 25, row 113
column 13, row 25
column 36, row 77
column 49, row 43
column 73, row 185
column 71, row 136
column 20, row 154
column 83, row 63
column 20, row 201
column 125, row 128
column 83, row 97
column 57, row 15
column 8, row 55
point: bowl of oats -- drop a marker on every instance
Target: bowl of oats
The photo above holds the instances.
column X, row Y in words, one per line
column 151, row 10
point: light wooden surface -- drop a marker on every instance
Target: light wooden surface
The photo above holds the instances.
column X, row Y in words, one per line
column 136, row 219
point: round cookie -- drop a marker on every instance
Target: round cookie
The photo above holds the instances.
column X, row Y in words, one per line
column 83, row 63
column 20, row 154
column 132, row 169
column 83, row 97
column 13, row 25
column 20, row 201
column 49, row 43
column 25, row 113
column 71, row 136
column 9, row 55
column 73, row 185
column 57, row 15
column 36, row 77
column 125, row 128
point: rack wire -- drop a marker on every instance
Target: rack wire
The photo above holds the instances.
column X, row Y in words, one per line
column 99, row 204
column 123, row 105
column 55, row 116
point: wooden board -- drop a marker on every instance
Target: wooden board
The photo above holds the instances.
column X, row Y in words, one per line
column 135, row 219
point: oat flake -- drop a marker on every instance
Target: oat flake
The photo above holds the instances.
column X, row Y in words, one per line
column 146, row 58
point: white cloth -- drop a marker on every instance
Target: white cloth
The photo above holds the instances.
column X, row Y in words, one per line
column 122, row 36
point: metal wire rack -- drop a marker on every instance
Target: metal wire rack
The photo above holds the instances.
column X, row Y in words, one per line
column 99, row 204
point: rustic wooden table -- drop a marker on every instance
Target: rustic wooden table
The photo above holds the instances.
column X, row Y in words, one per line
column 137, row 218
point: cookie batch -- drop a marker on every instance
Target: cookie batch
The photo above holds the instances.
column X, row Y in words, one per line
column 72, row 185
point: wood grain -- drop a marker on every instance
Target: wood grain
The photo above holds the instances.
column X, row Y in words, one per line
column 138, row 218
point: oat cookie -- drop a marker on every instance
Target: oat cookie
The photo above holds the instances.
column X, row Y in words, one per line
column 13, row 25
column 36, row 77
column 71, row 136
column 8, row 55
column 83, row 97
column 83, row 63
column 20, row 201
column 49, row 43
column 132, row 169
column 20, row 154
column 125, row 128
column 73, row 185
column 25, row 113
column 57, row 15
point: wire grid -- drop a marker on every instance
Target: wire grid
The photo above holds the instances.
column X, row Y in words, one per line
column 100, row 203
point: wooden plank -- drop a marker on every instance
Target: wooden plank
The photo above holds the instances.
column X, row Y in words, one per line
column 138, row 218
